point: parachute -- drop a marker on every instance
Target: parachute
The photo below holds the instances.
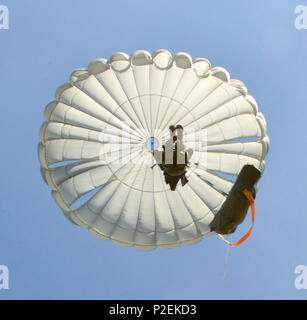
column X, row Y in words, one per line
column 108, row 127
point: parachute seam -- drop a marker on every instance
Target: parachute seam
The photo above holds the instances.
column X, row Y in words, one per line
column 168, row 109
column 197, row 104
column 99, row 216
column 69, row 135
column 44, row 133
column 96, row 116
column 171, row 99
column 212, row 209
column 133, row 130
column 235, row 140
column 231, row 98
column 155, row 209
column 93, row 168
column 68, row 122
column 127, row 96
column 205, row 203
column 138, row 91
column 113, row 173
column 53, row 181
column 79, row 173
column 175, row 90
column 215, row 122
column 75, row 189
column 91, row 140
column 120, row 215
column 64, row 158
column 183, row 102
column 150, row 106
column 65, row 114
column 110, row 95
column 212, row 185
column 193, row 221
column 239, row 125
column 171, row 212
column 240, row 153
column 159, row 104
column 95, row 119
column 105, row 219
column 139, row 218
column 210, row 172
column 143, row 232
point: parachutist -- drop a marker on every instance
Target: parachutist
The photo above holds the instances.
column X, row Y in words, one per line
column 174, row 159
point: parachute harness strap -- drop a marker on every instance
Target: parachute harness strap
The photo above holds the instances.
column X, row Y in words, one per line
column 250, row 198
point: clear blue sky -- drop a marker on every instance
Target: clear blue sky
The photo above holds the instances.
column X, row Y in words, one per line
column 50, row 258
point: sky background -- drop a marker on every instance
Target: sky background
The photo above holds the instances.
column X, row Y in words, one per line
column 50, row 258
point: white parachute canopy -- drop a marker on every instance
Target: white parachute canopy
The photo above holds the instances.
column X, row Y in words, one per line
column 97, row 142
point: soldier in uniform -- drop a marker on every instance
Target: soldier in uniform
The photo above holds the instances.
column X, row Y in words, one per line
column 175, row 158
